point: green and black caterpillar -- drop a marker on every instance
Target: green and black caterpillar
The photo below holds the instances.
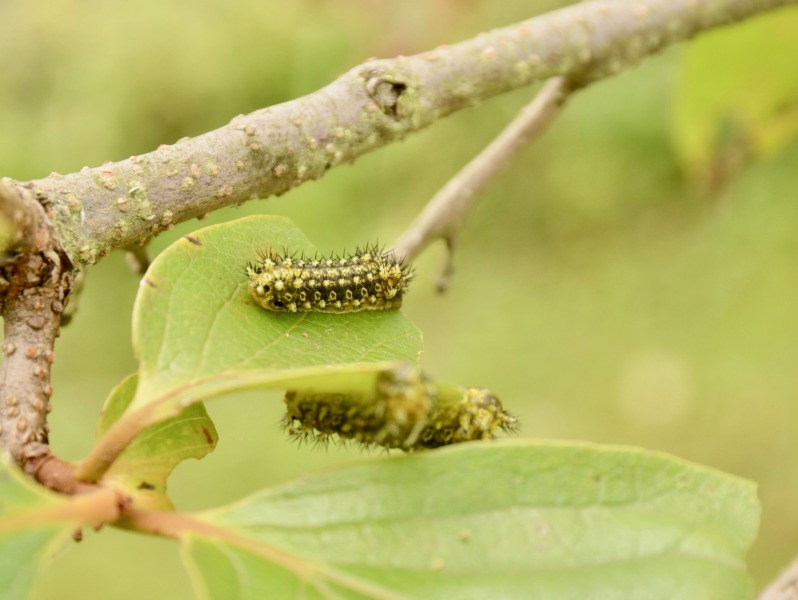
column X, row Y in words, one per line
column 368, row 279
column 405, row 410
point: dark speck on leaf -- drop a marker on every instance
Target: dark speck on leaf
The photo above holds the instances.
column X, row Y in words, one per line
column 208, row 436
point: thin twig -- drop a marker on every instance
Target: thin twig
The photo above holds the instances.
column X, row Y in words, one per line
column 138, row 258
column 94, row 509
column 446, row 212
column 56, row 474
column 785, row 587
column 445, row 278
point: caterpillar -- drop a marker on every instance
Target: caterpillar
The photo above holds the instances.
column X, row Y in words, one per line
column 367, row 279
column 405, row 410
column 476, row 414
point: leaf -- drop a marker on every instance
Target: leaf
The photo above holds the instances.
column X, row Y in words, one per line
column 34, row 523
column 142, row 469
column 198, row 334
column 724, row 104
column 511, row 520
column 194, row 323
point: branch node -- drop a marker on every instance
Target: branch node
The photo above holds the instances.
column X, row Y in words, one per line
column 385, row 88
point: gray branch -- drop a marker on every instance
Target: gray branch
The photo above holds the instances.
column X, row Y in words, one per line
column 785, row 587
column 33, row 284
column 275, row 149
column 30, row 326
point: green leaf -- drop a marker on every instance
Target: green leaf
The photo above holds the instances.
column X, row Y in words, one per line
column 22, row 550
column 195, row 327
column 198, row 334
column 510, row 520
column 34, row 523
column 142, row 469
column 725, row 106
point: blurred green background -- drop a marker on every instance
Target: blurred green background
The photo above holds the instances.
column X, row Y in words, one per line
column 630, row 279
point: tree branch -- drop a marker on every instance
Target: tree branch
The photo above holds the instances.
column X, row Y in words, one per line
column 785, row 587
column 31, row 318
column 444, row 214
column 20, row 217
column 34, row 288
column 272, row 150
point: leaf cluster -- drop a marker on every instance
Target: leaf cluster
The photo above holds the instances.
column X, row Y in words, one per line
column 518, row 519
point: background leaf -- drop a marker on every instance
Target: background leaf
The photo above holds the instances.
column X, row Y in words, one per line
column 738, row 93
column 510, row 520
column 194, row 321
column 143, row 468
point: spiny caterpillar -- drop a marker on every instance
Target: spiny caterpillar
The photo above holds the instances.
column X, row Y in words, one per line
column 368, row 279
column 405, row 410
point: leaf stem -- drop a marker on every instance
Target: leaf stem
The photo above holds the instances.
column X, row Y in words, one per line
column 179, row 526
